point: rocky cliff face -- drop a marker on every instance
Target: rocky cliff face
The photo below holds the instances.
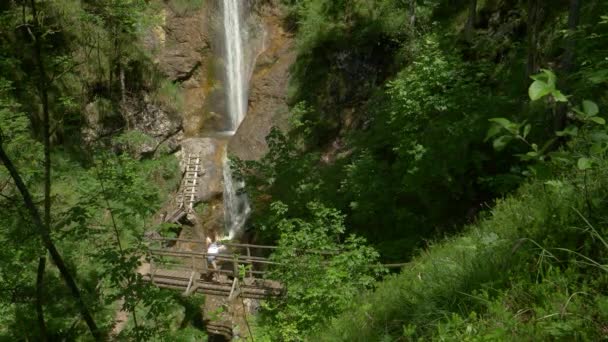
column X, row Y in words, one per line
column 180, row 45
column 268, row 87
column 184, row 53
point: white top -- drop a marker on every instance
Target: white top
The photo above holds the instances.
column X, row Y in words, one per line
column 214, row 248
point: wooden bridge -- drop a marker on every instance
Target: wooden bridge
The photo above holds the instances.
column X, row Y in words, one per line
column 228, row 274
column 240, row 271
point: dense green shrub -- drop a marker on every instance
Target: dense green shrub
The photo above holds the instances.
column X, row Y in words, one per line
column 319, row 282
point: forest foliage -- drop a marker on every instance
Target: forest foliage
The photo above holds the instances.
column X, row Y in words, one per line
column 57, row 60
column 419, row 120
column 466, row 137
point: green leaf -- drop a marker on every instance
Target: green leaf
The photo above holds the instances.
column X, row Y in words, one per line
column 598, row 136
column 598, row 148
column 598, row 120
column 584, row 163
column 535, row 147
column 493, row 131
column 528, row 156
column 569, row 131
column 512, row 127
column 505, row 123
column 501, row 142
column 558, row 96
column 540, row 77
column 551, row 78
column 538, row 89
column 580, row 115
column 590, row 108
column 527, row 130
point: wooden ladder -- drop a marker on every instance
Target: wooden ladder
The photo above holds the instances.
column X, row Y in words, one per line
column 188, row 196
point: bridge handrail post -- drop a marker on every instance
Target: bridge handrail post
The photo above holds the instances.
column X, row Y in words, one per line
column 235, row 270
column 152, row 268
column 205, row 265
column 250, row 262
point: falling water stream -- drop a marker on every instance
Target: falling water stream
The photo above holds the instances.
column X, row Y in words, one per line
column 235, row 66
column 236, row 203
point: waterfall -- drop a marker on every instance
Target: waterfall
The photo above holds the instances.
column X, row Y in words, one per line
column 235, row 65
column 236, row 203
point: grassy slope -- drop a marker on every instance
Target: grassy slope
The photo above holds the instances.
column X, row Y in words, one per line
column 451, row 290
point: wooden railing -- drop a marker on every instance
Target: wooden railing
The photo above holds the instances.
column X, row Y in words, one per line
column 199, row 262
column 255, row 265
column 192, row 271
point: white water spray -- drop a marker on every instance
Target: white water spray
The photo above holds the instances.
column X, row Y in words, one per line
column 236, row 203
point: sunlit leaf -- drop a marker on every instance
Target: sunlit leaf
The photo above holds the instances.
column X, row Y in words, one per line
column 598, row 148
column 538, row 89
column 598, row 120
column 590, row 108
column 493, row 131
column 569, row 131
column 558, row 96
column 501, row 142
column 527, row 130
column 584, row 163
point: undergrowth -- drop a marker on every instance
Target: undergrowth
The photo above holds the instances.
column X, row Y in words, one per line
column 534, row 269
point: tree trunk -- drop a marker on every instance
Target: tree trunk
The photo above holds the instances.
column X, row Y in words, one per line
column 573, row 20
column 535, row 20
column 412, row 12
column 470, row 25
column 560, row 119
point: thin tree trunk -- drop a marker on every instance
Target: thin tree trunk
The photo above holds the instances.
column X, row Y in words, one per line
column 49, row 244
column 39, row 298
column 573, row 20
column 470, row 25
column 412, row 10
column 46, row 124
column 560, row 119
column 43, row 90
